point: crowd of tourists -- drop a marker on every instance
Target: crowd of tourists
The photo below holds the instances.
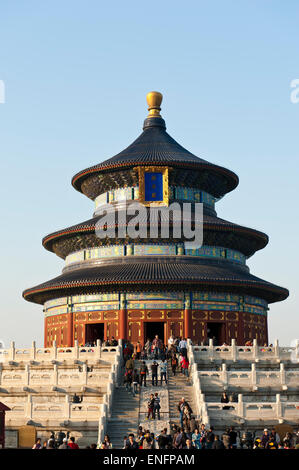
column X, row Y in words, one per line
column 175, row 353
column 197, row 437
column 188, row 433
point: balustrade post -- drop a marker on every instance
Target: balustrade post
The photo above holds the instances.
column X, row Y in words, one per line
column 76, row 349
column 28, row 407
column 33, row 351
column 67, row 407
column 283, row 377
column 234, row 350
column 99, row 348
column 240, row 405
column 211, row 349
column 12, row 352
column 276, row 350
column 224, row 376
column 255, row 347
column 27, row 374
column 278, row 406
column 55, row 374
column 253, row 377
column 54, row 350
column 85, row 374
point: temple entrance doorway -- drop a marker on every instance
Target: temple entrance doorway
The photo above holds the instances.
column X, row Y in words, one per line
column 152, row 328
column 94, row 331
column 216, row 331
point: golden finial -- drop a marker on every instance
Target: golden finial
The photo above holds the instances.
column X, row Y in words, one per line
column 154, row 100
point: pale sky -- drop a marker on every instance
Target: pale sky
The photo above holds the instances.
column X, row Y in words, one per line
column 76, row 75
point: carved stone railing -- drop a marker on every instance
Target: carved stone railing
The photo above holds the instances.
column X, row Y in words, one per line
column 55, row 353
column 113, row 382
column 278, row 410
column 251, row 380
column 253, row 353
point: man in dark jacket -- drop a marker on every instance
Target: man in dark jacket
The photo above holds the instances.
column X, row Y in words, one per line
column 143, row 373
column 217, row 444
column 131, row 443
column 154, row 368
column 163, row 439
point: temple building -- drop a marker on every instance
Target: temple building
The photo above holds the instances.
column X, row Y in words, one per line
column 133, row 288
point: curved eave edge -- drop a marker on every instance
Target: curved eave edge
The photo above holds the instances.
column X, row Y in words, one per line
column 221, row 227
column 122, row 165
column 282, row 293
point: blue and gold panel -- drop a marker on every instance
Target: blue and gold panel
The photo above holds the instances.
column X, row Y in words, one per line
column 153, row 186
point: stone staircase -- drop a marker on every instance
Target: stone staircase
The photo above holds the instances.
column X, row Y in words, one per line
column 125, row 416
column 179, row 387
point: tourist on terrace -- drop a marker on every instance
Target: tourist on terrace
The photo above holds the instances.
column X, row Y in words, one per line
column 147, row 442
column 143, row 373
column 157, row 406
column 64, row 444
column 135, row 381
column 183, row 347
column 113, row 341
column 274, row 435
column 225, row 399
column 37, row 444
column 106, row 444
column 181, row 405
column 131, row 443
column 130, row 364
column 189, row 444
column 128, row 379
column 289, row 439
column 72, row 444
column 271, row 444
column 180, row 439
column 170, row 341
column 156, row 347
column 210, row 437
column 138, row 349
column 265, row 438
column 154, row 368
column 174, row 363
column 226, row 439
column 196, row 439
column 203, row 436
column 163, row 371
column 185, row 366
column 150, row 407
column 217, row 444
column 163, row 439
column 232, row 438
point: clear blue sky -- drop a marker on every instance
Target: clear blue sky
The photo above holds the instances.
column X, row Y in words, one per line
column 76, row 75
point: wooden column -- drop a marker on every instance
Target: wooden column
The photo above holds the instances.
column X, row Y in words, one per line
column 70, row 329
column 123, row 318
column 45, row 333
column 188, row 317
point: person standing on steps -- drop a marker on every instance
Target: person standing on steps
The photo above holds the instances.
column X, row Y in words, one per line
column 157, row 406
column 183, row 347
column 185, row 366
column 174, row 364
column 163, row 371
column 181, row 406
column 138, row 350
column 135, row 381
column 154, row 368
column 150, row 407
column 143, row 373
